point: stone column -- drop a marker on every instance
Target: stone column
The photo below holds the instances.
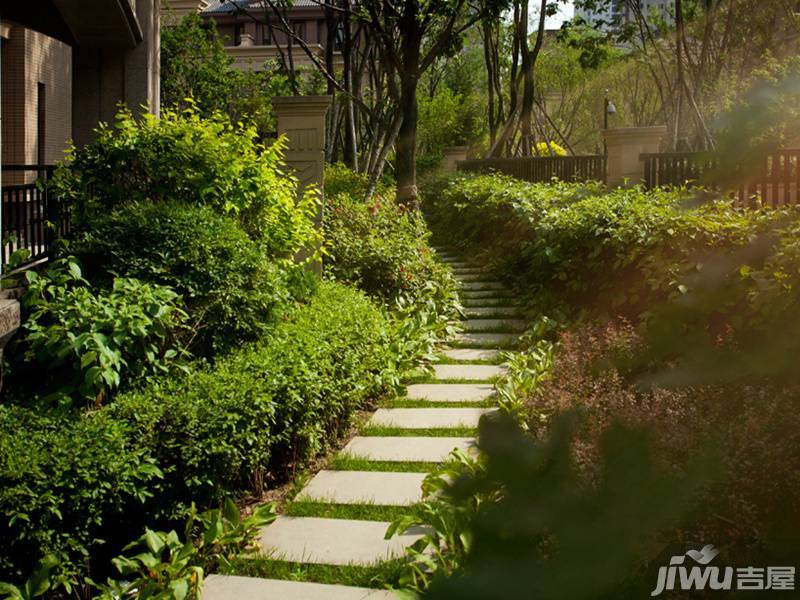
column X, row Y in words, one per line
column 625, row 146
column 452, row 154
column 302, row 120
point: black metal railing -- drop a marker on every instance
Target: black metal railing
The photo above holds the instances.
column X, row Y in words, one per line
column 775, row 180
column 542, row 169
column 32, row 218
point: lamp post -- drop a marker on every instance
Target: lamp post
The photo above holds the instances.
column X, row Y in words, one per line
column 608, row 109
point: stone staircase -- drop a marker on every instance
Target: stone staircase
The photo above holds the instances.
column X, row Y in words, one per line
column 444, row 409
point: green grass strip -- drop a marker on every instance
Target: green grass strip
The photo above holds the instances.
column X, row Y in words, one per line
column 359, row 512
column 344, row 462
column 381, row 430
column 402, row 403
column 379, row 575
column 434, row 379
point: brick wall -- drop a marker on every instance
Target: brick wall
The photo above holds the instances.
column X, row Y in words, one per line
column 31, row 58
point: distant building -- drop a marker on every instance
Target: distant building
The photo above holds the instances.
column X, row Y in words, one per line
column 620, row 12
column 253, row 35
column 65, row 67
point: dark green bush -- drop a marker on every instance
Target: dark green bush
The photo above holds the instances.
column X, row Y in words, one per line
column 231, row 289
column 69, row 481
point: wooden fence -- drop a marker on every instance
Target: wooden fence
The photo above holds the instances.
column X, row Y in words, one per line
column 775, row 181
column 541, row 169
column 31, row 217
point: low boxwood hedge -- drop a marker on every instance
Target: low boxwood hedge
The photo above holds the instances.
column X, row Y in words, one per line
column 72, row 484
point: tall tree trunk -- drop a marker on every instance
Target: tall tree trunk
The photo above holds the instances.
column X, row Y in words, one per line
column 406, row 145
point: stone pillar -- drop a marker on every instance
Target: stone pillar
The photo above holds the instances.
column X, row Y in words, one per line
column 453, row 154
column 624, row 147
column 302, row 120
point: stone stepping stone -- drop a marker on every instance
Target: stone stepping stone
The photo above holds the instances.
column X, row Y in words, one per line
column 451, row 392
column 466, row 371
column 494, row 324
column 364, row 487
column 470, row 354
column 469, row 277
column 491, row 311
column 333, row 541
column 423, row 418
column 485, row 302
column 487, row 339
column 482, row 285
column 234, row 587
column 459, row 265
column 484, row 295
column 406, row 449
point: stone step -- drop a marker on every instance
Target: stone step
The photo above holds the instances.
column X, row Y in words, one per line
column 405, row 449
column 491, row 311
column 364, row 487
column 458, row 264
column 486, row 302
column 450, row 392
column 487, row 339
column 333, row 541
column 484, row 295
column 470, row 277
column 466, row 371
column 471, row 325
column 234, row 587
column 483, row 285
column 470, row 354
column 423, row 418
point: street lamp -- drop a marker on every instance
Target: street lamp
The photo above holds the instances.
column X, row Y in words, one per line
column 608, row 109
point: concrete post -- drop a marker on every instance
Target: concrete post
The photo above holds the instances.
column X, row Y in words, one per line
column 302, row 120
column 624, row 148
column 453, row 154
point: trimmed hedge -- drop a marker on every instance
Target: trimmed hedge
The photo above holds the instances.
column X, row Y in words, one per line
column 68, row 481
column 580, row 244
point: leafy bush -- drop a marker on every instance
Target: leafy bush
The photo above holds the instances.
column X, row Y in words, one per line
column 67, row 481
column 85, row 340
column 231, row 289
column 583, row 245
column 184, row 157
column 379, row 245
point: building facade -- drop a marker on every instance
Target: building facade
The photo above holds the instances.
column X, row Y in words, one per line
column 68, row 65
column 253, row 34
column 619, row 12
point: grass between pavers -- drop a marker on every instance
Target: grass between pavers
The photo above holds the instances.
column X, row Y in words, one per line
column 346, row 462
column 387, row 431
column 498, row 315
column 418, row 403
column 433, row 379
column 444, row 360
column 488, row 302
column 489, row 345
column 379, row 575
column 357, row 512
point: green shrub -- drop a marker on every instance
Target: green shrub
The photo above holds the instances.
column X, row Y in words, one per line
column 231, row 289
column 379, row 245
column 184, row 157
column 87, row 341
column 583, row 245
column 66, row 484
column 70, row 481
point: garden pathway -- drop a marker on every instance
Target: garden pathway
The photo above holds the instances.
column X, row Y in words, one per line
column 398, row 445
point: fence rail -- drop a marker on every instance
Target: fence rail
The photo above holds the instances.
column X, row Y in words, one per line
column 31, row 217
column 776, row 180
column 542, row 169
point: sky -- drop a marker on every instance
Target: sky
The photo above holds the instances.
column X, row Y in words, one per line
column 564, row 13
